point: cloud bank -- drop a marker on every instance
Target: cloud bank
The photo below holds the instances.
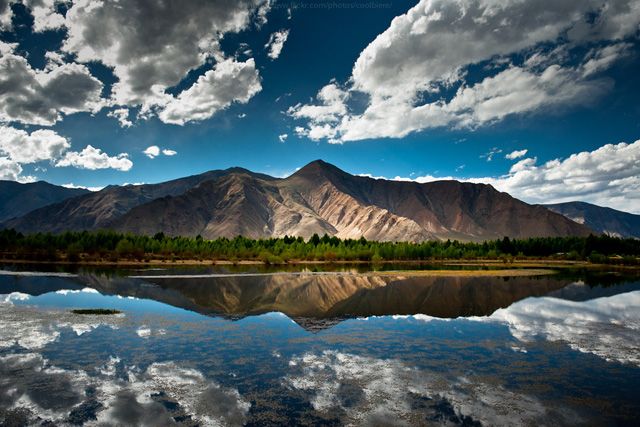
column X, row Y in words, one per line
column 408, row 71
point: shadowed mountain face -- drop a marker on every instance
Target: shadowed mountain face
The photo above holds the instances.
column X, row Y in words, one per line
column 100, row 209
column 319, row 198
column 18, row 199
column 603, row 220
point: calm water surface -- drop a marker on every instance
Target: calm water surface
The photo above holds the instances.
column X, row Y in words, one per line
column 248, row 346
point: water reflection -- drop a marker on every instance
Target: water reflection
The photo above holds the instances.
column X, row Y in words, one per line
column 321, row 296
column 401, row 351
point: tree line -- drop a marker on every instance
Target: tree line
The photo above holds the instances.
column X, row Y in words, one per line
column 112, row 246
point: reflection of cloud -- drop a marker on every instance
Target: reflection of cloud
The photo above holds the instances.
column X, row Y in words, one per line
column 152, row 397
column 376, row 392
column 74, row 291
column 33, row 329
column 143, row 332
column 608, row 327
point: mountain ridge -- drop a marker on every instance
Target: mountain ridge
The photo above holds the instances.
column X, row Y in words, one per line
column 599, row 218
column 17, row 199
column 318, row 198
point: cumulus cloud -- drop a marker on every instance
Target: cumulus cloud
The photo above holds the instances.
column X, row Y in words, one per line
column 276, row 43
column 152, row 151
column 94, row 158
column 430, row 48
column 230, row 81
column 10, row 170
column 149, row 59
column 608, row 176
column 322, row 118
column 516, row 154
column 23, row 147
column 18, row 147
column 45, row 15
column 72, row 185
column 122, row 115
column 5, row 15
column 41, row 97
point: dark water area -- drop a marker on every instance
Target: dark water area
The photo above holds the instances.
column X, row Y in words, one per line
column 249, row 345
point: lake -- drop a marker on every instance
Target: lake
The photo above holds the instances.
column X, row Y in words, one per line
column 227, row 346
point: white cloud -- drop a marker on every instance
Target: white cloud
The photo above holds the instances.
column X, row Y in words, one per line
column 23, row 147
column 41, row 97
column 11, row 171
column 230, row 81
column 149, row 59
column 283, row 137
column 276, row 43
column 430, row 47
column 122, row 115
column 489, row 155
column 18, row 147
column 72, row 185
column 146, row 60
column 93, row 158
column 601, row 59
column 152, row 151
column 44, row 14
column 5, row 15
column 516, row 154
column 608, row 176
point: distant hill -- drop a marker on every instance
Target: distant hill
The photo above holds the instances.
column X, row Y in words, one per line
column 99, row 209
column 603, row 220
column 17, row 199
column 319, row 198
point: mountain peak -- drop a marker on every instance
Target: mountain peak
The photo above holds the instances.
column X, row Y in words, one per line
column 319, row 168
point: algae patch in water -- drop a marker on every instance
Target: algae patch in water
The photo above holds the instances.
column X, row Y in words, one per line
column 102, row 311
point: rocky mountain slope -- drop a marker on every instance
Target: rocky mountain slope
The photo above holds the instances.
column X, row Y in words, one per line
column 603, row 220
column 17, row 199
column 318, row 198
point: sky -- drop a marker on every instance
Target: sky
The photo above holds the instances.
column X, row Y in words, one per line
column 538, row 98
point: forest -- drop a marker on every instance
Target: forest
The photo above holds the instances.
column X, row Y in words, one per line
column 111, row 246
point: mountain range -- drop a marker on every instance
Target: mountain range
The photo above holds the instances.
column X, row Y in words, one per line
column 319, row 198
column 17, row 199
column 602, row 220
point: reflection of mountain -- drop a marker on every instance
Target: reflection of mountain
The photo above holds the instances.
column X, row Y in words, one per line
column 312, row 300
column 317, row 301
column 446, row 297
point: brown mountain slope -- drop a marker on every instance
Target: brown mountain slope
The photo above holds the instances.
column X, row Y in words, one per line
column 98, row 210
column 321, row 198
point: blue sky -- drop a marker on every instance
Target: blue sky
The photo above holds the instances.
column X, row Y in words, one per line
column 427, row 96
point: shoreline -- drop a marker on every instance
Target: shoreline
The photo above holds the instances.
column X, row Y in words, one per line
column 498, row 265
